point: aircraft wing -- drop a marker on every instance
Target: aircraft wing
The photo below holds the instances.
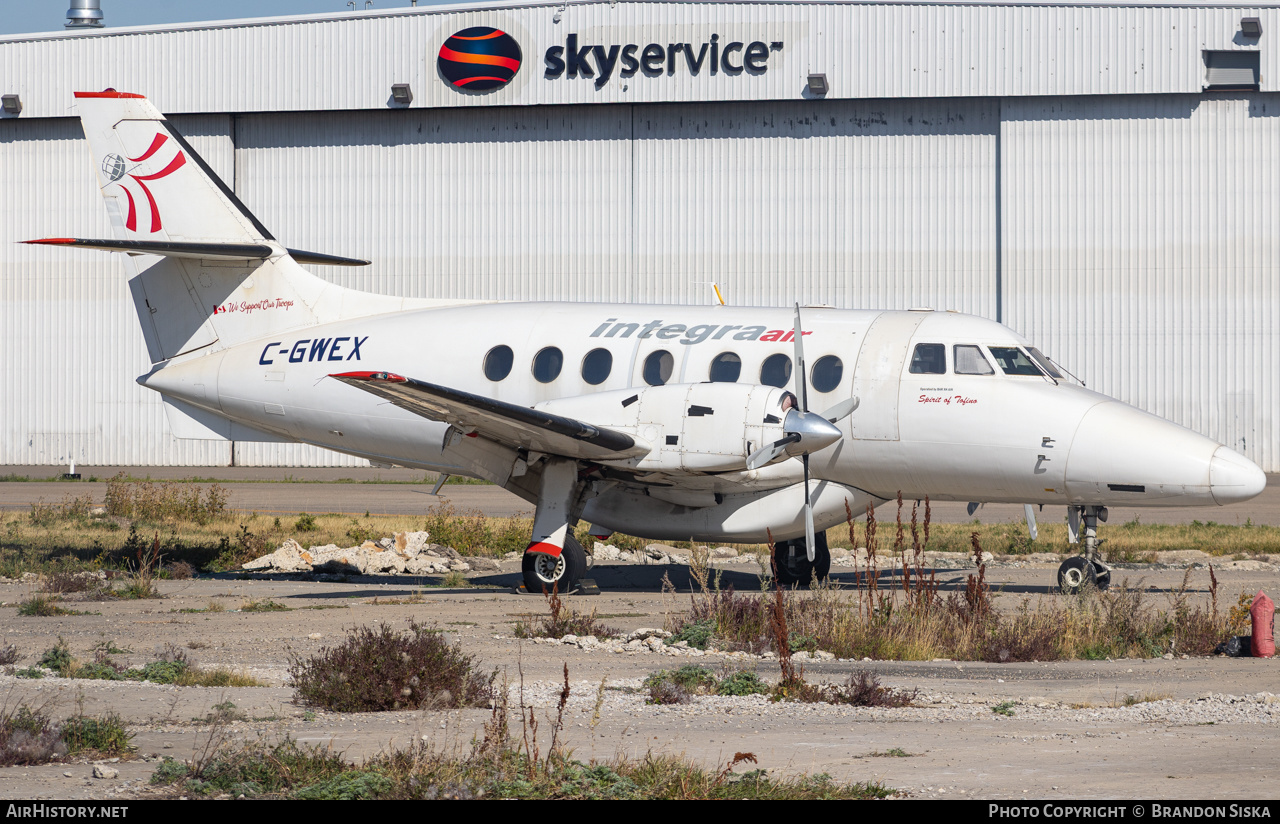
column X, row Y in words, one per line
column 500, row 421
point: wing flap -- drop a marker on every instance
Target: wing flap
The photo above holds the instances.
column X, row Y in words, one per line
column 500, row 421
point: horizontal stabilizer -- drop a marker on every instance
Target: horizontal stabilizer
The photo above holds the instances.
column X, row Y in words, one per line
column 503, row 422
column 202, row 251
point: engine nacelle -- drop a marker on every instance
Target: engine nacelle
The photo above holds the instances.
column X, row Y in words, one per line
column 692, row 427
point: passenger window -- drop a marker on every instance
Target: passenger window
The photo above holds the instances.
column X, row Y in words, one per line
column 827, row 373
column 547, row 364
column 775, row 371
column 1014, row 361
column 971, row 361
column 658, row 367
column 497, row 364
column 596, row 366
column 725, row 368
column 929, row 359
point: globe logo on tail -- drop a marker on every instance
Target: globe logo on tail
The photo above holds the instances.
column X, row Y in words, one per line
column 113, row 167
column 479, row 59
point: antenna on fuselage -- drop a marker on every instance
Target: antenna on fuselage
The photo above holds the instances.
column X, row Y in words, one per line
column 717, row 299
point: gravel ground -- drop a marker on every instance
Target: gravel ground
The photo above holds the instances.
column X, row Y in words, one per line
column 1208, row 733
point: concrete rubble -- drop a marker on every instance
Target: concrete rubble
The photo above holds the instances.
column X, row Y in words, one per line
column 407, row 553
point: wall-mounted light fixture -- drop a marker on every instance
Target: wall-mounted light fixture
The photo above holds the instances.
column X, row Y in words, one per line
column 401, row 93
column 818, row 84
column 1251, row 27
column 11, row 103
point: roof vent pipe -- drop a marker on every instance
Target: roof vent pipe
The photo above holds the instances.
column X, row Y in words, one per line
column 84, row 14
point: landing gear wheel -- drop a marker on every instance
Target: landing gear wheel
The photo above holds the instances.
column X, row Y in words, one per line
column 1101, row 576
column 1076, row 573
column 794, row 566
column 563, row 573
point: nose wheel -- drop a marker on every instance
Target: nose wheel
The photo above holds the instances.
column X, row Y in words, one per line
column 1088, row 569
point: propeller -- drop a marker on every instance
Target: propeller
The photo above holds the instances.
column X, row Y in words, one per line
column 1031, row 520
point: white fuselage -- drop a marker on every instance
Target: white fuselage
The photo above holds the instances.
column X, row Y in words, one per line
column 1015, row 438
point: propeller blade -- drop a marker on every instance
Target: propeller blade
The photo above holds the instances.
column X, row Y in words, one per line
column 1031, row 520
column 802, row 384
column 808, row 513
column 841, row 410
column 766, row 454
column 972, row 508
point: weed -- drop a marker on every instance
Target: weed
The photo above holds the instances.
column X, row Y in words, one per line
column 1004, row 708
column 142, row 572
column 42, row 606
column 178, row 571
column 560, row 622
column 215, row 677
column 743, row 682
column 697, row 634
column 223, row 712
column 58, row 658
column 105, row 734
column 28, row 736
column 381, row 669
column 29, row 672
column 455, row 579
column 9, row 655
column 152, row 502
column 306, row 523
column 264, row 606
column 862, row 689
column 896, row 752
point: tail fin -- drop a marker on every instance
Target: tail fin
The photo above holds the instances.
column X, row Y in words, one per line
column 156, row 187
column 220, row 278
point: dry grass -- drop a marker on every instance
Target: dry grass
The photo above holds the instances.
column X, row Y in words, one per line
column 195, row 528
column 904, row 616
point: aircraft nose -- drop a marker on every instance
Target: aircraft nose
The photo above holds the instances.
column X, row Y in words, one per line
column 1233, row 478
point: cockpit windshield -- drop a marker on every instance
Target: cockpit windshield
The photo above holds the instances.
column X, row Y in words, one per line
column 1045, row 363
column 1014, row 361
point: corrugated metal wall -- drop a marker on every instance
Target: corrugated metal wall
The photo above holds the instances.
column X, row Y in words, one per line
column 1142, row 247
column 72, row 345
column 1133, row 237
column 867, row 50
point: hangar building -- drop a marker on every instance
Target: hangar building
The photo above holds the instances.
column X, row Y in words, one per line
column 1101, row 177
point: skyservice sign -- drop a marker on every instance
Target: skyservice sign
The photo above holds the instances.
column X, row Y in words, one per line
column 483, row 59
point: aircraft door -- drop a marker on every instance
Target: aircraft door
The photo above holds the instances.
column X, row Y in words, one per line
column 877, row 375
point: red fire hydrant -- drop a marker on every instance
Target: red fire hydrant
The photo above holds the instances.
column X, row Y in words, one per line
column 1263, row 613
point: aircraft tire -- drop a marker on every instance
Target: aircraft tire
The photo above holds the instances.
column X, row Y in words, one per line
column 542, row 572
column 801, row 570
column 1075, row 574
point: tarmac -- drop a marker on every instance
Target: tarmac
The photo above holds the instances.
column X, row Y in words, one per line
column 355, row 491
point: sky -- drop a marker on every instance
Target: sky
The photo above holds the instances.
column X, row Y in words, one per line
column 26, row 16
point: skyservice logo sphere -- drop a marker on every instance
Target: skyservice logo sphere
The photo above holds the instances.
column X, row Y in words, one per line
column 479, row 59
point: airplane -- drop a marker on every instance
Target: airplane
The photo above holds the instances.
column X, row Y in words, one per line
column 704, row 423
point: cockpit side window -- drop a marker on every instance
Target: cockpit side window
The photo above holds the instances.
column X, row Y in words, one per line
column 971, row 361
column 929, row 359
column 1014, row 361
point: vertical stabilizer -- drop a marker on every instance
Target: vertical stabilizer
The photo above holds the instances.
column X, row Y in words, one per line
column 156, row 187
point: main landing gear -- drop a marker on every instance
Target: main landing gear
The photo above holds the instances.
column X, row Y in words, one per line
column 1088, row 569
column 563, row 573
column 792, row 563
column 554, row 559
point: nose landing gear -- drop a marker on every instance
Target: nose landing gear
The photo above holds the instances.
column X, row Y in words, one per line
column 1087, row 569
